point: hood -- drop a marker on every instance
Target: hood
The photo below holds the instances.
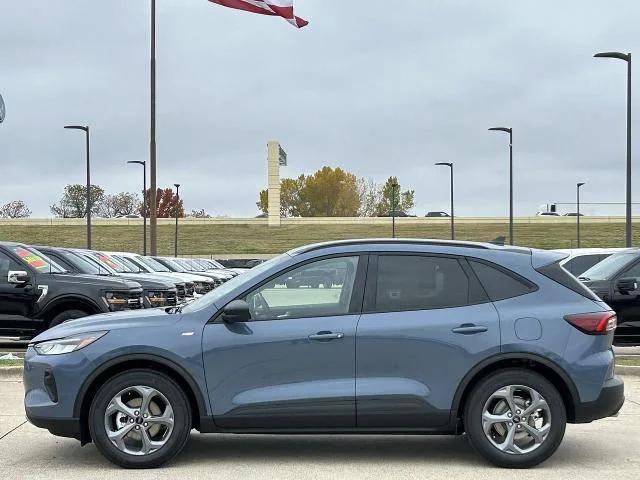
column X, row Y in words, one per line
column 149, row 281
column 109, row 321
column 184, row 277
column 95, row 280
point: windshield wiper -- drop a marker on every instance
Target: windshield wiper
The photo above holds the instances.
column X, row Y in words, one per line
column 584, row 278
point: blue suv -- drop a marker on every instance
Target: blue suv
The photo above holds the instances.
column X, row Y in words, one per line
column 389, row 336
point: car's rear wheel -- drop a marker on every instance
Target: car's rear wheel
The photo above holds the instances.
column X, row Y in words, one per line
column 140, row 419
column 515, row 418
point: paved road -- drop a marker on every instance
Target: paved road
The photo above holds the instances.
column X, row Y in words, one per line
column 604, row 449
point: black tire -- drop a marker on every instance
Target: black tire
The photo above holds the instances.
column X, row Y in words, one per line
column 66, row 316
column 474, row 409
column 173, row 393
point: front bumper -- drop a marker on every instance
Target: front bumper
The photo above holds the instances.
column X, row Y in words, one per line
column 608, row 403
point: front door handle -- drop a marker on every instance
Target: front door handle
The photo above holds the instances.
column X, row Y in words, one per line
column 326, row 336
column 469, row 329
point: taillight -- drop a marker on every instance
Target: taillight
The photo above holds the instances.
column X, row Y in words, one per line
column 597, row 323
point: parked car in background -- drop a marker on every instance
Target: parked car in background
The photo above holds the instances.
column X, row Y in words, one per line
column 173, row 264
column 184, row 289
column 201, row 284
column 193, row 266
column 157, row 292
column 547, row 214
column 239, row 263
column 437, row 214
column 616, row 280
column 36, row 293
column 428, row 337
column 579, row 260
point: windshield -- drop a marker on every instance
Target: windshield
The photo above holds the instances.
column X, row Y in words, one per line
column 36, row 260
column 173, row 266
column 82, row 264
column 184, row 264
column 128, row 264
column 608, row 267
column 153, row 264
column 210, row 298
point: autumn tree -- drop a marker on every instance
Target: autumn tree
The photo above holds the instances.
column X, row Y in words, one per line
column 120, row 205
column 73, row 203
column 15, row 209
column 290, row 202
column 370, row 195
column 403, row 201
column 167, row 204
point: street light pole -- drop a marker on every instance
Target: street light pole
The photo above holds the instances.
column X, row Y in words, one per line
column 393, row 209
column 578, row 212
column 85, row 129
column 627, row 58
column 153, row 221
column 453, row 230
column 144, row 203
column 510, row 132
column 175, row 251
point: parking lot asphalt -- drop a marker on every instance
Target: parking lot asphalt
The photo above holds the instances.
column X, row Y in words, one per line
column 603, row 449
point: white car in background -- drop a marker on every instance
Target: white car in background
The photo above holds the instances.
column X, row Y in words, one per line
column 582, row 259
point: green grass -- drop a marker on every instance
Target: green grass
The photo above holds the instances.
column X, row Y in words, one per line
column 628, row 361
column 258, row 239
column 11, row 363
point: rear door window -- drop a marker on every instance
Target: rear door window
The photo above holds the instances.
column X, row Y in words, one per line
column 421, row 282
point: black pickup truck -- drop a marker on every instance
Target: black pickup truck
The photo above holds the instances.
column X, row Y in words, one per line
column 36, row 293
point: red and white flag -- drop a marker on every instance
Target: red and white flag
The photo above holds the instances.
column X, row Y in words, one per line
column 280, row 8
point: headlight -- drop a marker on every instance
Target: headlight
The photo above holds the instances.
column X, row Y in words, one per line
column 67, row 344
column 160, row 298
column 117, row 301
column 203, row 287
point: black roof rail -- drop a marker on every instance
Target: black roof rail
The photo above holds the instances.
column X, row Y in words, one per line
column 390, row 241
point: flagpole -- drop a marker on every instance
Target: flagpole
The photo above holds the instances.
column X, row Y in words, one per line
column 153, row 223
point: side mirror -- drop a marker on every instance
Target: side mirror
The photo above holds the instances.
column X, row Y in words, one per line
column 236, row 311
column 626, row 285
column 17, row 277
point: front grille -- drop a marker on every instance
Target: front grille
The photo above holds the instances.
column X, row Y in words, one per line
column 134, row 300
column 189, row 289
column 172, row 298
column 181, row 292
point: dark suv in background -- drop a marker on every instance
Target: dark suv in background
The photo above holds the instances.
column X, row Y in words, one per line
column 156, row 292
column 36, row 293
column 616, row 280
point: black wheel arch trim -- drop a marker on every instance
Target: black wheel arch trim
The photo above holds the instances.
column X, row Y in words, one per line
column 54, row 302
column 186, row 376
column 487, row 362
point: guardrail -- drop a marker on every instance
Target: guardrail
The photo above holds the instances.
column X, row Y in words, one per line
column 311, row 221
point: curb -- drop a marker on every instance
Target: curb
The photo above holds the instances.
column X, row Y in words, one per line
column 11, row 373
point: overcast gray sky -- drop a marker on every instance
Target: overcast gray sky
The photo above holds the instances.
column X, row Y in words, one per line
column 376, row 87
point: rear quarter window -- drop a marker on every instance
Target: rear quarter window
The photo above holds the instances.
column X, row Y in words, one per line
column 500, row 283
column 558, row 274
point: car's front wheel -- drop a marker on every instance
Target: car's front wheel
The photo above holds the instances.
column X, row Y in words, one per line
column 140, row 419
column 515, row 418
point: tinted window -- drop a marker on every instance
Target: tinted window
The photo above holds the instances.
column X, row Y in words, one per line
column 315, row 289
column 610, row 266
column 416, row 282
column 499, row 284
column 633, row 272
column 578, row 265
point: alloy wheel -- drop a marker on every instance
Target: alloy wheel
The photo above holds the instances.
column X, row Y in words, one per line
column 516, row 419
column 139, row 420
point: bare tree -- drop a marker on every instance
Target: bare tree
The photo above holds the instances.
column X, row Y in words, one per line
column 15, row 209
column 370, row 194
column 120, row 205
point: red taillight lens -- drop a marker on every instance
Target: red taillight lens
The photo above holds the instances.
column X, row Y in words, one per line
column 597, row 323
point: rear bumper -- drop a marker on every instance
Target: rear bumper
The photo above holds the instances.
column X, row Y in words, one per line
column 608, row 403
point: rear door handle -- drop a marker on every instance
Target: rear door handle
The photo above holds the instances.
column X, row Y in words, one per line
column 469, row 329
column 326, row 336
